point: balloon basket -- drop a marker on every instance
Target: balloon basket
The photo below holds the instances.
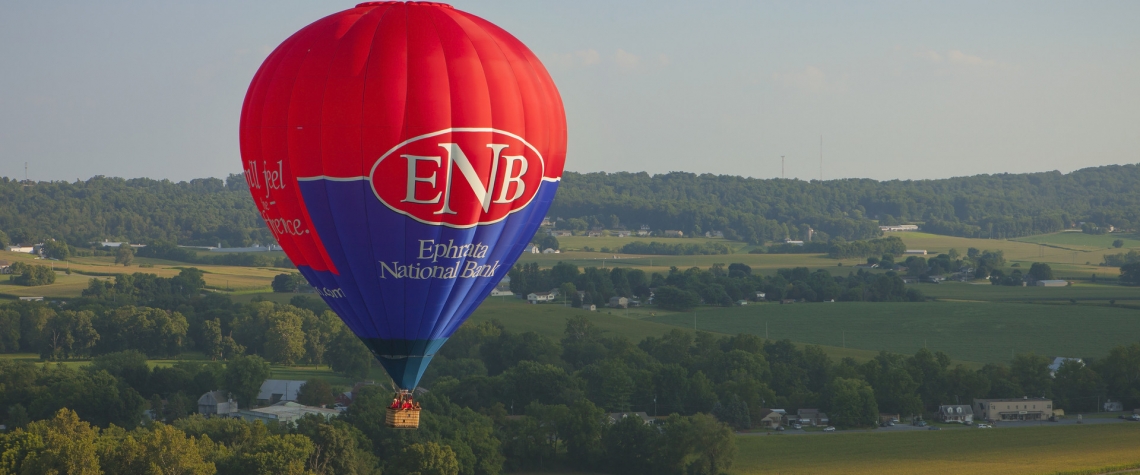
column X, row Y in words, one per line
column 402, row 418
column 404, row 413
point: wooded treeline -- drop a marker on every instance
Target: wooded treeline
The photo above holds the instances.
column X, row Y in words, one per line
column 209, row 211
column 755, row 210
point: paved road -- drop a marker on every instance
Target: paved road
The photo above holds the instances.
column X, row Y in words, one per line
column 910, row 428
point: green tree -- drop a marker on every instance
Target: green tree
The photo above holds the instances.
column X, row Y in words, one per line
column 426, row 458
column 1130, row 273
column 673, row 298
column 1031, row 372
column 316, row 392
column 56, row 249
column 67, row 334
column 285, row 283
column 851, row 403
column 125, row 255
column 244, row 376
column 697, row 445
column 285, row 340
column 347, row 355
column 1076, row 387
column 31, row 275
column 1041, row 271
column 339, row 449
column 211, row 342
column 160, row 449
column 61, row 445
column 274, row 455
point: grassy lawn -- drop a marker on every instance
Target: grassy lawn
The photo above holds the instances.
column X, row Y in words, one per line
column 1032, row 450
column 967, row 331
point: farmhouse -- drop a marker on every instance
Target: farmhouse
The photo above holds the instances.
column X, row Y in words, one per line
column 1024, row 409
column 562, row 233
column 963, row 413
column 537, row 297
column 590, row 308
column 772, row 418
column 621, row 233
column 215, row 403
column 1052, row 283
column 594, row 234
column 31, row 299
column 22, row 249
column 534, row 249
column 811, row 417
column 714, row 234
column 5, row 267
column 619, row 302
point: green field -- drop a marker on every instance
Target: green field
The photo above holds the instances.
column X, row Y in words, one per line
column 550, row 320
column 967, row 331
column 1001, row 293
column 1078, row 240
column 1014, row 451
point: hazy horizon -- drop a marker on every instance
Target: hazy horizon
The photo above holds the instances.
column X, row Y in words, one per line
column 897, row 90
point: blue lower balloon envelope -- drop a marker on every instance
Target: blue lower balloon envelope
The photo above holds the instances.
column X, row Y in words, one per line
column 404, row 287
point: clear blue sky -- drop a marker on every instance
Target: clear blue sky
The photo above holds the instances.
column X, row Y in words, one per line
column 897, row 89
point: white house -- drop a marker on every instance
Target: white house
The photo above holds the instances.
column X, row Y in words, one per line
column 22, row 249
column 761, row 295
column 794, row 243
column 963, row 413
column 619, row 302
column 1113, row 406
column 714, row 234
column 534, row 249
column 539, row 297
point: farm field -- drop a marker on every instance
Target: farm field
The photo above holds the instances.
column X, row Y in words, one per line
column 550, row 320
column 997, row 293
column 1069, row 262
column 84, row 268
column 1030, row 450
column 1083, row 241
column 984, row 332
column 298, row 372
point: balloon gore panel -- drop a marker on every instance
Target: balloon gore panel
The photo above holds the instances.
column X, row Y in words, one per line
column 403, row 155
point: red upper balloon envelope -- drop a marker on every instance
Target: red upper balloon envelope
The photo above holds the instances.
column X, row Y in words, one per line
column 390, row 128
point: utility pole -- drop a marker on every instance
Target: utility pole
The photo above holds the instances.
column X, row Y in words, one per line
column 781, row 166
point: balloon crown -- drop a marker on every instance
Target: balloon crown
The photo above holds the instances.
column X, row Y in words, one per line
column 426, row 4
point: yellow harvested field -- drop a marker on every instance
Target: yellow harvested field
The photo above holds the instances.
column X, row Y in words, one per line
column 1007, row 451
column 83, row 269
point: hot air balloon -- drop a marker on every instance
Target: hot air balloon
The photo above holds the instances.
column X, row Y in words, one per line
column 403, row 154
